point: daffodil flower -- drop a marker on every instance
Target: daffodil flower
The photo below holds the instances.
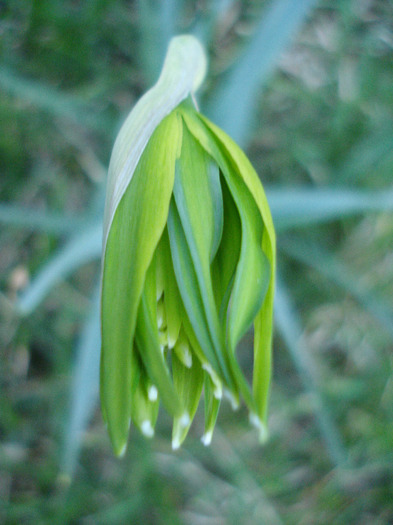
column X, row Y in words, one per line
column 188, row 264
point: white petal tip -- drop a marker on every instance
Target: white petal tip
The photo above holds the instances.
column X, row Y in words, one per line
column 184, row 420
column 171, row 342
column 175, row 443
column 260, row 426
column 232, row 399
column 180, row 424
column 207, row 438
column 152, row 393
column 147, row 429
column 208, row 368
column 184, row 354
column 263, row 434
column 188, row 359
column 215, row 380
column 217, row 392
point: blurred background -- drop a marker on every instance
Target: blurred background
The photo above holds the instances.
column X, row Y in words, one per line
column 305, row 87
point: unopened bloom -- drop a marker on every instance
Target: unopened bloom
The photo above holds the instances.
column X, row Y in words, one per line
column 188, row 264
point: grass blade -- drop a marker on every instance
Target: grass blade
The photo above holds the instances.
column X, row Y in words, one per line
column 39, row 221
column 244, row 480
column 84, row 389
column 369, row 154
column 289, row 325
column 316, row 257
column 206, row 26
column 304, row 206
column 157, row 26
column 51, row 100
column 234, row 103
column 82, row 248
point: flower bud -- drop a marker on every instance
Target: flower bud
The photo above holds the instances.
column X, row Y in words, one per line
column 188, row 264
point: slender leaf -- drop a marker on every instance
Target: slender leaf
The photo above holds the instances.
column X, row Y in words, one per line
column 233, row 105
column 303, row 206
column 289, row 325
column 49, row 99
column 158, row 19
column 84, row 387
column 316, row 257
column 82, row 248
column 34, row 220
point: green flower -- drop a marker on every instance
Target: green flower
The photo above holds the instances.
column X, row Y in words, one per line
column 188, row 264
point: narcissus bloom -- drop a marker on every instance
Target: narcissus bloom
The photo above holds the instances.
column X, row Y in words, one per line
column 188, row 264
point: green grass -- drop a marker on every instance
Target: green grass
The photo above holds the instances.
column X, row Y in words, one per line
column 321, row 140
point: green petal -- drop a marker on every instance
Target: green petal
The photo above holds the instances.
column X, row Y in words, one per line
column 182, row 350
column 212, row 405
column 218, row 207
column 144, row 400
column 225, row 262
column 188, row 286
column 206, row 365
column 263, row 324
column 149, row 347
column 188, row 383
column 136, row 229
column 238, row 170
column 252, row 273
column 199, row 203
column 171, row 297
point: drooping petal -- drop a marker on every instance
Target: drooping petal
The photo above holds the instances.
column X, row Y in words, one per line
column 218, row 207
column 238, row 171
column 212, row 405
column 136, row 229
column 144, row 405
column 183, row 351
column 188, row 383
column 263, row 324
column 149, row 347
column 188, row 286
column 225, row 262
column 168, row 286
column 198, row 199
